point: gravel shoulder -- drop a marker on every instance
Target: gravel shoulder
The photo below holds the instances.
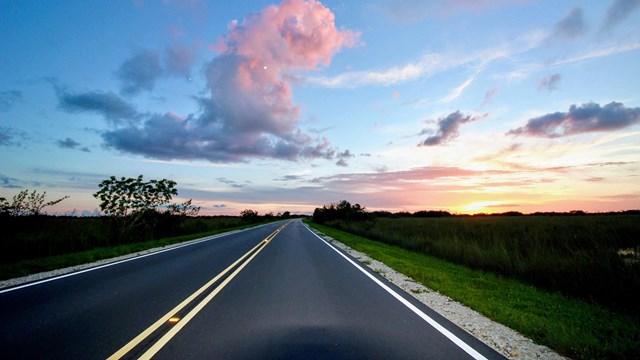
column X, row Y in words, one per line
column 506, row 341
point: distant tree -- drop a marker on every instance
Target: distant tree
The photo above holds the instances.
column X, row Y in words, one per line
column 249, row 215
column 339, row 211
column 132, row 201
column 285, row 215
column 27, row 204
column 183, row 209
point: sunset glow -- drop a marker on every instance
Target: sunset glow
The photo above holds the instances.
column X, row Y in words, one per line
column 397, row 105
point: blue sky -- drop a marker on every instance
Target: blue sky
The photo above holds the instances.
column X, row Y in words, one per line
column 465, row 106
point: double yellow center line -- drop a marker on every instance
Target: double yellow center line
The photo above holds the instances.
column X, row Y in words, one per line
column 178, row 323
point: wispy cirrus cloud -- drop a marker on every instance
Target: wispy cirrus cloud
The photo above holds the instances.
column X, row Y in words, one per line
column 427, row 66
column 589, row 117
column 404, row 11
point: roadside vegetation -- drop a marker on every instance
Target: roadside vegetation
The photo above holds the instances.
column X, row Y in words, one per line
column 137, row 215
column 567, row 280
column 574, row 328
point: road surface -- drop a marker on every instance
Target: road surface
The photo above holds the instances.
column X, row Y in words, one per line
column 276, row 291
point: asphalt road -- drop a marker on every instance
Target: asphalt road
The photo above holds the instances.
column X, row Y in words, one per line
column 276, row 291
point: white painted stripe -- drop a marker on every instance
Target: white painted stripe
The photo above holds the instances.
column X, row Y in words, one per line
column 193, row 242
column 461, row 344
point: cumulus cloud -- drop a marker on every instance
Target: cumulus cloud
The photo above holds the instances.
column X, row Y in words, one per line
column 589, row 117
column 549, row 82
column 8, row 98
column 249, row 111
column 447, row 128
column 570, row 27
column 618, row 11
column 107, row 104
column 140, row 72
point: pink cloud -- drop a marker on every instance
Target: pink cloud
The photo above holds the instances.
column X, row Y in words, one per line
column 250, row 80
column 249, row 112
column 297, row 35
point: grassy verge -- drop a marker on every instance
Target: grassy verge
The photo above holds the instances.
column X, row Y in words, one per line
column 32, row 266
column 571, row 327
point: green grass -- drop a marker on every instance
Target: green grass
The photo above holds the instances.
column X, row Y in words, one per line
column 571, row 327
column 32, row 266
column 579, row 256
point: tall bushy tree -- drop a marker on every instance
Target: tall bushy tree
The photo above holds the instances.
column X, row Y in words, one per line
column 339, row 211
column 130, row 200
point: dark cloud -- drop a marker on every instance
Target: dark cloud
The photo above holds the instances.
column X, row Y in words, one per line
column 68, row 143
column 549, row 82
column 172, row 137
column 8, row 98
column 219, row 206
column 589, row 117
column 11, row 137
column 618, row 11
column 9, row 182
column 179, row 59
column 290, row 178
column 107, row 104
column 447, row 128
column 140, row 72
column 230, row 183
column 343, row 157
column 570, row 27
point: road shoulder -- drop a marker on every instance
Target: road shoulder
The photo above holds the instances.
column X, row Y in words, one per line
column 506, row 341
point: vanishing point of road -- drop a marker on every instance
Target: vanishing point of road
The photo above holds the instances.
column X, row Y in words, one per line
column 276, row 291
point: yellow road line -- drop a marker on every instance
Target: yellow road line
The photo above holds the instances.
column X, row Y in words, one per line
column 175, row 329
column 164, row 319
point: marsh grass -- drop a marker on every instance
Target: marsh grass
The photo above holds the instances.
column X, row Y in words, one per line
column 574, row 328
column 29, row 266
column 579, row 256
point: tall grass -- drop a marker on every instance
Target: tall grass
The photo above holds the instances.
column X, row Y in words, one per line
column 31, row 237
column 578, row 256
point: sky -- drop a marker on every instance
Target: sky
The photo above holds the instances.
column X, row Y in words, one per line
column 457, row 105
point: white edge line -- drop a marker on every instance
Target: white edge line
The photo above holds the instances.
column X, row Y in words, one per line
column 461, row 344
column 193, row 242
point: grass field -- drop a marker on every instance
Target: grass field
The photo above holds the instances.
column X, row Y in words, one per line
column 39, row 243
column 591, row 257
column 34, row 265
column 573, row 328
